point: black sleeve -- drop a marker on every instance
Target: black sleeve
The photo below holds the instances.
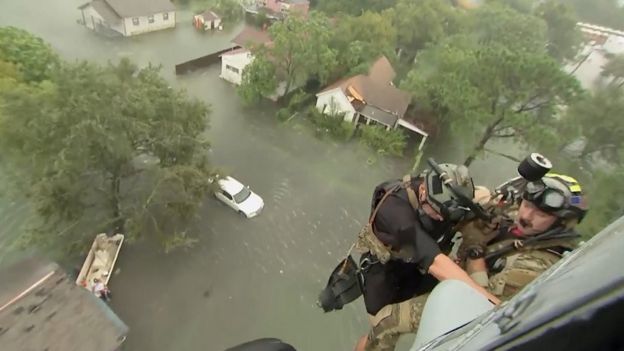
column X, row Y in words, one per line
column 419, row 247
column 397, row 225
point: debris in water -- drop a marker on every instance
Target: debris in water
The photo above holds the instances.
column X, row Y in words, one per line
column 207, row 293
column 281, row 271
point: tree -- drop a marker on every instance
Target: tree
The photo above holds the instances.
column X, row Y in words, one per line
column 598, row 117
column 600, row 12
column 106, row 149
column 606, row 190
column 34, row 58
column 564, row 38
column 259, row 79
column 360, row 40
column 353, row 7
column 299, row 51
column 614, row 69
column 421, row 22
column 492, row 85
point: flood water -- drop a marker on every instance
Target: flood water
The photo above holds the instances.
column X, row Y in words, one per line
column 246, row 278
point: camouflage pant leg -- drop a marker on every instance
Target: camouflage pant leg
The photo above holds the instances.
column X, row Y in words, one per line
column 394, row 320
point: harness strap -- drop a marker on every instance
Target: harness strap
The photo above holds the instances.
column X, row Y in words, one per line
column 519, row 245
column 374, row 214
column 411, row 194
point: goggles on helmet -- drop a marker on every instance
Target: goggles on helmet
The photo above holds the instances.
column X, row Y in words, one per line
column 545, row 198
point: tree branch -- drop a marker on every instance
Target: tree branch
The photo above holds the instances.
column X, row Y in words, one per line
column 515, row 159
column 508, row 135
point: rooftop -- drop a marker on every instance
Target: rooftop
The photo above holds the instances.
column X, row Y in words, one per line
column 134, row 8
column 376, row 88
column 42, row 309
column 251, row 36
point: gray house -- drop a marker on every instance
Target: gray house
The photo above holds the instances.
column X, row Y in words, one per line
column 41, row 308
column 128, row 17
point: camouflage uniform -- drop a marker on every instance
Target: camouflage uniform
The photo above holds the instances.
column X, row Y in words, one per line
column 520, row 268
column 522, row 265
column 392, row 320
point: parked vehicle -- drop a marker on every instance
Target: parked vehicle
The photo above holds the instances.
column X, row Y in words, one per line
column 239, row 197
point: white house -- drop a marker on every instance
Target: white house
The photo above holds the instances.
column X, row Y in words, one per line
column 369, row 99
column 207, row 21
column 600, row 43
column 128, row 17
column 232, row 64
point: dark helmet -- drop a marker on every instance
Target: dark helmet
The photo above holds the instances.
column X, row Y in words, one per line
column 558, row 194
column 449, row 202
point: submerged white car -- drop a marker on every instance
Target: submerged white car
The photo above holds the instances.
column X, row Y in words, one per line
column 239, row 197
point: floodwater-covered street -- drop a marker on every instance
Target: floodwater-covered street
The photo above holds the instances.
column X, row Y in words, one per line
column 246, row 278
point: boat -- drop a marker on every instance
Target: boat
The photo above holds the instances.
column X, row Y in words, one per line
column 100, row 261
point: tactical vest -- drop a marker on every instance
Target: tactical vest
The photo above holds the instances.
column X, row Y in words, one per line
column 367, row 241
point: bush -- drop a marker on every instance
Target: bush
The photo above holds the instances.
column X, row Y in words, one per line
column 332, row 125
column 384, row 141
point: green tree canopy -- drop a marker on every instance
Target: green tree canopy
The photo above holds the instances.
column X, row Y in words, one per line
column 564, row 38
column 418, row 23
column 352, row 7
column 614, row 69
column 106, row 148
column 597, row 117
column 299, row 51
column 34, row 58
column 601, row 12
column 359, row 40
column 491, row 85
column 259, row 79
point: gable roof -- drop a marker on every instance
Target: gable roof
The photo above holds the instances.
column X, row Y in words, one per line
column 135, row 8
column 251, row 36
column 381, row 71
column 210, row 15
column 42, row 309
column 234, row 52
column 375, row 89
column 104, row 9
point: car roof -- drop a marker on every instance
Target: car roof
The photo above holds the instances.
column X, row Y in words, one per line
column 230, row 185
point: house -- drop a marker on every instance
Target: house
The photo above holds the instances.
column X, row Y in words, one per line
column 128, row 17
column 285, row 6
column 369, row 99
column 41, row 308
column 207, row 20
column 234, row 62
column 600, row 43
column 277, row 9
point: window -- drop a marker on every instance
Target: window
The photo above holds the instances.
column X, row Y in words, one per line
column 233, row 69
column 135, row 21
column 242, row 195
column 150, row 19
column 165, row 16
column 226, row 194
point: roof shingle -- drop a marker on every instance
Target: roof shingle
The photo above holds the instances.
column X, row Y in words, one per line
column 135, row 8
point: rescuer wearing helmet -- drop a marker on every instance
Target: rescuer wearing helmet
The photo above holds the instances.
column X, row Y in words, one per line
column 404, row 249
column 509, row 257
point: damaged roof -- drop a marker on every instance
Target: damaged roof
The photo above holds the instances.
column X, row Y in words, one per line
column 376, row 88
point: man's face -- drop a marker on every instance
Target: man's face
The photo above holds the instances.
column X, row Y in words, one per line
column 429, row 210
column 531, row 220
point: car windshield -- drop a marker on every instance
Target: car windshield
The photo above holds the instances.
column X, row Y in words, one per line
column 242, row 195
